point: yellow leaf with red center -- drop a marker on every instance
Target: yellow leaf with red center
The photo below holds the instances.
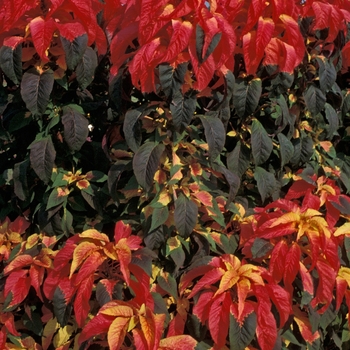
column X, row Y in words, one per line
column 43, row 259
column 231, row 262
column 229, row 279
column 124, row 257
column 326, row 145
column 196, row 169
column 177, row 176
column 173, row 243
column 32, row 241
column 205, row 198
column 176, row 158
column 160, row 176
column 164, row 197
column 319, row 224
column 62, row 191
column 243, row 288
column 48, row 241
column 148, row 330
column 15, row 238
column 117, row 332
column 82, row 252
column 304, row 325
column 83, row 184
column 118, row 311
column 188, row 146
column 343, row 230
column 70, row 177
column 94, row 234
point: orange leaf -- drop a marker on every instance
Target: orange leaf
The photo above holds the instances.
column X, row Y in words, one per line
column 178, row 342
column 94, row 234
column 81, row 252
column 228, row 280
column 117, row 332
column 304, row 325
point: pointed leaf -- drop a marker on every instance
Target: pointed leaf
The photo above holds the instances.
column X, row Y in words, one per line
column 314, row 99
column 132, row 129
column 178, row 342
column 42, row 157
column 117, row 332
column 85, row 69
column 327, row 73
column 241, row 335
column 36, row 88
column 75, row 127
column 159, row 217
column 11, row 62
column 74, row 48
column 215, row 135
column 266, row 182
column 172, row 79
column 333, row 120
column 261, row 143
column 239, row 159
column 286, row 149
column 185, row 215
column 146, row 162
column 182, row 109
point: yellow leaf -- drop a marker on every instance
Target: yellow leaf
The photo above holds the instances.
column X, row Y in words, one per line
column 342, row 230
column 173, row 243
column 81, row 252
column 229, row 279
column 94, row 234
column 344, row 273
column 119, row 311
column 49, row 331
column 63, row 335
column 117, row 332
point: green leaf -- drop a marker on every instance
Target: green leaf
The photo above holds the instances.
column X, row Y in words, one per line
column 200, row 36
column 74, row 50
column 172, row 79
column 185, row 215
column 75, row 127
column 11, row 62
column 347, row 246
column 42, row 157
column 155, row 239
column 261, row 143
column 239, row 159
column 286, row 149
column 169, row 285
column 57, row 197
column 145, row 163
column 182, row 109
column 260, row 248
column 159, row 217
column 327, row 73
column 333, row 120
column 266, row 182
column 61, row 310
column 246, row 96
column 241, row 335
column 307, row 148
column 314, row 99
column 346, row 104
column 36, row 88
column 20, row 179
column 212, row 46
column 85, row 69
column 215, row 135
column 113, row 177
column 132, row 128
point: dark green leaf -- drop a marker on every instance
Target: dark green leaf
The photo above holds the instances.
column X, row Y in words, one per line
column 346, row 103
column 238, row 160
column 261, row 143
column 57, row 197
column 169, row 285
column 185, row 215
column 260, row 248
column 347, row 246
column 266, row 182
column 11, row 62
column 314, row 99
column 155, row 239
column 182, row 109
column 113, row 178
column 295, row 160
column 172, row 79
column 102, row 295
column 327, row 73
column 241, row 335
column 85, row 69
column 132, row 128
column 36, row 88
column 159, row 217
column 74, row 50
column 246, row 96
column 200, row 36
column 286, row 149
column 212, row 46
column 307, row 148
column 20, row 179
column 146, row 162
column 215, row 135
column 42, row 158
column 61, row 310
column 75, row 127
column 333, row 120
column 115, row 92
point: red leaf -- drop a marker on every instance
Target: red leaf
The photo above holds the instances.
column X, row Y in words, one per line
column 20, row 224
column 42, row 32
column 299, row 189
column 121, row 231
column 306, row 279
column 277, row 260
column 188, row 277
column 7, row 319
column 19, row 262
column 71, row 30
column 304, row 325
column 36, row 274
column 90, row 266
column 176, row 326
column 202, row 307
column 282, row 301
column 310, row 201
column 219, row 318
column 179, row 342
column 18, row 283
column 341, row 287
column 81, row 302
column 243, row 288
column 141, row 287
column 291, row 266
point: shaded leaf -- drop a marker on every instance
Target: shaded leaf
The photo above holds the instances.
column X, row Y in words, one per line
column 241, row 335
column 185, row 215
column 238, row 160
column 260, row 247
column 20, row 179
column 261, row 143
column 266, row 182
column 327, row 73
column 85, row 69
column 314, row 99
column 132, row 128
column 333, row 120
column 171, row 79
column 36, row 88
column 159, row 217
column 74, row 49
column 146, row 162
column 61, row 309
column 286, row 149
column 182, row 109
column 11, row 62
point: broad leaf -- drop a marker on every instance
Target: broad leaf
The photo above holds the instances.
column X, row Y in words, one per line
column 185, row 215
column 132, row 129
column 20, row 179
column 75, row 127
column 261, row 143
column 182, row 109
column 74, row 49
column 260, row 248
column 327, row 73
column 62, row 310
column 36, row 87
column 146, row 162
column 333, row 120
column 314, row 99
column 85, row 69
column 215, row 135
column 246, row 96
column 171, row 79
column 266, row 182
column 159, row 217
column 11, row 62
column 241, row 335
column 42, row 157
column 238, row 160
column 286, row 149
